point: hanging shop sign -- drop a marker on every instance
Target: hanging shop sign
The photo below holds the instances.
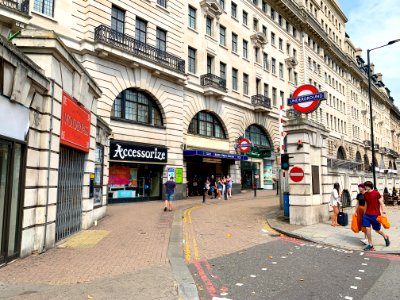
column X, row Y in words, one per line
column 259, row 153
column 244, row 145
column 306, row 99
column 75, row 124
column 133, row 152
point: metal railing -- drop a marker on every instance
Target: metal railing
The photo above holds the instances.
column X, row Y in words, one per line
column 123, row 41
column 214, row 81
column 22, row 6
column 261, row 100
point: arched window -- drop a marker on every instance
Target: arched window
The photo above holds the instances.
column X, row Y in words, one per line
column 341, row 154
column 207, row 124
column 366, row 163
column 136, row 106
column 257, row 136
column 359, row 160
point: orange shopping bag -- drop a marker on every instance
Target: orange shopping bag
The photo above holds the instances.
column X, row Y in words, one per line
column 384, row 221
column 354, row 224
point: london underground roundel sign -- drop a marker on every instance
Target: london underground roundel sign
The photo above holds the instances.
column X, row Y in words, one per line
column 244, row 145
column 306, row 99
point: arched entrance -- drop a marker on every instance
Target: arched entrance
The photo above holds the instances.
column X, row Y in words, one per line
column 206, row 131
column 367, row 167
column 341, row 153
column 359, row 160
column 258, row 170
column 137, row 175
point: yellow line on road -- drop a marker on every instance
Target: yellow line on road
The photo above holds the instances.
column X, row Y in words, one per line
column 187, row 248
column 196, row 250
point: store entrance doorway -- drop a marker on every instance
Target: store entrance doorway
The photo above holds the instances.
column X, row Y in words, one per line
column 10, row 199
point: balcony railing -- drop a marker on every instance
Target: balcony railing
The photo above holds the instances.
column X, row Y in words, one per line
column 137, row 48
column 22, row 6
column 211, row 80
column 261, row 100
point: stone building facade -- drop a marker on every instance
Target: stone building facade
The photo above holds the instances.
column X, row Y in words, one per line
column 172, row 86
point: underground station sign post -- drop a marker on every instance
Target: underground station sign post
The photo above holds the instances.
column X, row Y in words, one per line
column 306, row 99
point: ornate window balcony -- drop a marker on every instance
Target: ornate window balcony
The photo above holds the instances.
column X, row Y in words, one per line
column 213, row 85
column 21, row 6
column 15, row 13
column 110, row 37
column 261, row 103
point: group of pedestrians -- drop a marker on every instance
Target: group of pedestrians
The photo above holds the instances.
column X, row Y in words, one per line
column 216, row 188
column 370, row 206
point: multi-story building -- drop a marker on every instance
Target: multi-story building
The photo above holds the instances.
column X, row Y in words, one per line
column 178, row 84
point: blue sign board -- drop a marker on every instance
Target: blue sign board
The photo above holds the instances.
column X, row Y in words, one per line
column 308, row 98
column 214, row 154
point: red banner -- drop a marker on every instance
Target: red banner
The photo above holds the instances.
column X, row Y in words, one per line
column 75, row 124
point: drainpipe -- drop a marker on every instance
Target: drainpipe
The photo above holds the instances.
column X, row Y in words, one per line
column 48, row 167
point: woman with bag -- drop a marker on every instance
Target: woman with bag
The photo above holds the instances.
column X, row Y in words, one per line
column 335, row 202
column 360, row 209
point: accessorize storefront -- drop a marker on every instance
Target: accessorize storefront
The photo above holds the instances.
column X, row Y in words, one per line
column 135, row 172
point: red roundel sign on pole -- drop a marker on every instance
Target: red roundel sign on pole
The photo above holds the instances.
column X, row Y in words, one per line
column 306, row 99
column 244, row 145
column 296, row 174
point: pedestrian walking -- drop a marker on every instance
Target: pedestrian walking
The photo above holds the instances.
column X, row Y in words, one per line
column 206, row 189
column 223, row 180
column 170, row 190
column 374, row 206
column 229, row 185
column 360, row 209
column 335, row 202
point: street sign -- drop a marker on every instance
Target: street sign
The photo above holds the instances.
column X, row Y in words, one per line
column 306, row 99
column 244, row 145
column 296, row 174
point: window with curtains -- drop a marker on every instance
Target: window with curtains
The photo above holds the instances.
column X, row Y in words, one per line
column 192, row 17
column 138, row 107
column 141, row 30
column 117, row 19
column 207, row 124
column 45, row 7
column 162, row 3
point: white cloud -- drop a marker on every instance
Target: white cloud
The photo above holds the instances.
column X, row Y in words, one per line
column 374, row 23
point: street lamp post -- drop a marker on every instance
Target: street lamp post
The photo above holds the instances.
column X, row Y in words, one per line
column 370, row 106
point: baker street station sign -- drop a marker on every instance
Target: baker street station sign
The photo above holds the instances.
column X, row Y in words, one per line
column 133, row 152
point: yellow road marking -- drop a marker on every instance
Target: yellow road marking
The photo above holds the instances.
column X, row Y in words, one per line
column 196, row 250
column 187, row 248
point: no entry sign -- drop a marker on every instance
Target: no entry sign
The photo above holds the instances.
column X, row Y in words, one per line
column 306, row 99
column 296, row 174
column 244, row 145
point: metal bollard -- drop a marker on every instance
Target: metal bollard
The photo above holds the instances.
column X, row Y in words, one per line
column 204, row 195
column 255, row 188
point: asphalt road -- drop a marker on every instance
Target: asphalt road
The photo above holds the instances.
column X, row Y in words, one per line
column 290, row 269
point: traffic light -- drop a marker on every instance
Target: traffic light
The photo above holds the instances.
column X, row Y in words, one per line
column 285, row 161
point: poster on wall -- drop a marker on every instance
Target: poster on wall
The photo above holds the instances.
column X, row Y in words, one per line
column 179, row 175
column 171, row 173
column 268, row 176
column 119, row 175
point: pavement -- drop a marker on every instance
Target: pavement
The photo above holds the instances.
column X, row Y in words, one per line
column 341, row 237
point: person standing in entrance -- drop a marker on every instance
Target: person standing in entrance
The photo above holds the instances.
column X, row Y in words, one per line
column 213, row 187
column 373, row 207
column 170, row 190
column 335, row 202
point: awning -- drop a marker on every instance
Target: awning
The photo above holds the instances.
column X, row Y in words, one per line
column 214, row 154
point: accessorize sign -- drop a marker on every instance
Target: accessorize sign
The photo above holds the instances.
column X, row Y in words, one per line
column 133, row 152
column 75, row 124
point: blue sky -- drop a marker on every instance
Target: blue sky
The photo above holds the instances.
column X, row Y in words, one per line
column 374, row 23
